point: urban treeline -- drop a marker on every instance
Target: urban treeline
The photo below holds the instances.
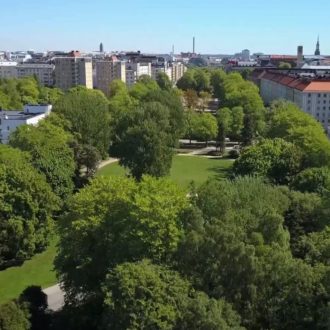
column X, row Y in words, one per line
column 139, row 252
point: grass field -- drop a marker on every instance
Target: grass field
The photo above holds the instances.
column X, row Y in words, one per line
column 185, row 169
column 37, row 271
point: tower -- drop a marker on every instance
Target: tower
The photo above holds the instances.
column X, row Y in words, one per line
column 317, row 50
column 101, row 47
column 300, row 56
column 193, row 45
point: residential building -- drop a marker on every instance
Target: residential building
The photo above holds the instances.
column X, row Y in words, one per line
column 43, row 72
column 310, row 93
column 178, row 70
column 161, row 67
column 73, row 71
column 31, row 115
column 8, row 69
column 107, row 71
column 135, row 70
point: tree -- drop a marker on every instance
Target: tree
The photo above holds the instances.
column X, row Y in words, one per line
column 146, row 296
column 202, row 79
column 224, row 117
column 313, row 180
column 87, row 110
column 217, row 79
column 191, row 99
column 285, row 65
column 50, row 153
column 164, row 81
column 49, row 95
column 146, row 143
column 237, row 123
column 142, row 87
column 27, row 204
column 14, row 317
column 287, row 121
column 187, row 81
column 205, row 97
column 116, row 220
column 206, row 127
column 276, row 160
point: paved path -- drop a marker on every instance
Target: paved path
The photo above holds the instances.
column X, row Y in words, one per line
column 107, row 162
column 55, row 297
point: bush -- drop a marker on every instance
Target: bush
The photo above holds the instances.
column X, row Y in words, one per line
column 14, row 317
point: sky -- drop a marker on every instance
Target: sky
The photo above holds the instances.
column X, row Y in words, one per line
column 220, row 26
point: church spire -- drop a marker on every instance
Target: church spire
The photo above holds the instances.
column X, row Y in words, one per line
column 317, row 51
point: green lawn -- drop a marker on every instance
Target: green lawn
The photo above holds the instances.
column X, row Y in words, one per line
column 185, row 169
column 37, row 271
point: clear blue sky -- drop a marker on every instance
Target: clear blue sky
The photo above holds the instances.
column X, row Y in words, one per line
column 220, row 26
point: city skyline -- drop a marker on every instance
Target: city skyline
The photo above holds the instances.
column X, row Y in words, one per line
column 219, row 28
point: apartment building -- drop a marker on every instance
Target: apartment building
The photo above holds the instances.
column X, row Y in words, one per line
column 8, row 69
column 178, row 70
column 73, row 71
column 311, row 94
column 107, row 71
column 135, row 70
column 43, row 72
column 158, row 68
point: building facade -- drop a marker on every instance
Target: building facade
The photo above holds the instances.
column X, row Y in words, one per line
column 73, row 71
column 135, row 70
column 43, row 72
column 108, row 71
column 31, row 115
column 312, row 95
column 8, row 70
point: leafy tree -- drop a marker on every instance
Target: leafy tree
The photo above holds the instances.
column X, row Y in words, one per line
column 187, row 81
column 14, row 317
column 205, row 97
column 237, row 123
column 202, row 79
column 49, row 95
column 87, row 111
column 276, row 159
column 145, row 145
column 115, row 220
column 224, row 117
column 287, row 121
column 206, row 127
column 285, row 65
column 164, row 81
column 50, row 153
column 143, row 86
column 145, row 296
column 313, row 180
column 27, row 204
column 191, row 98
column 217, row 79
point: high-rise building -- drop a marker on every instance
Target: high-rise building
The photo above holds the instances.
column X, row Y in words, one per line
column 43, row 72
column 317, row 50
column 73, row 71
column 107, row 71
column 178, row 70
column 101, row 48
column 300, row 56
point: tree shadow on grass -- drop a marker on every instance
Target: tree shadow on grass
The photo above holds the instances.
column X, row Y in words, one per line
column 220, row 172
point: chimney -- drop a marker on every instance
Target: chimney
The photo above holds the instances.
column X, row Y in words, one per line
column 300, row 56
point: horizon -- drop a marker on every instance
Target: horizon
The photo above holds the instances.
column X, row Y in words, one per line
column 154, row 28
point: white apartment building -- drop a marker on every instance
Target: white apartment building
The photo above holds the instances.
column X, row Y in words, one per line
column 135, row 70
column 312, row 95
column 178, row 70
column 43, row 72
column 31, row 115
column 108, row 71
column 73, row 71
column 155, row 69
column 8, row 69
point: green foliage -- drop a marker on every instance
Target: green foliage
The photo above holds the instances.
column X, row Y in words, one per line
column 114, row 220
column 164, row 81
column 145, row 296
column 88, row 113
column 50, row 154
column 205, row 127
column 225, row 120
column 313, row 180
column 287, row 121
column 187, row 81
column 285, row 65
column 143, row 86
column 27, row 204
column 276, row 159
column 14, row 317
column 145, row 144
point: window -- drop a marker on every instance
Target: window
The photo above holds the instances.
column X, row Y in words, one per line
column 8, row 128
column 317, row 114
column 309, row 94
column 325, row 95
column 319, row 95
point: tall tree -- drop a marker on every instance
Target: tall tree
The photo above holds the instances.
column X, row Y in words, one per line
column 225, row 120
column 88, row 112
